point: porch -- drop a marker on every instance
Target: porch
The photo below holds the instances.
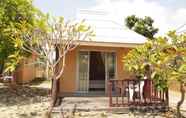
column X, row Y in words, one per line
column 121, row 95
column 136, row 92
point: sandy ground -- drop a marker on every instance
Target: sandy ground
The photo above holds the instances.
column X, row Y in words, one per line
column 32, row 102
column 23, row 102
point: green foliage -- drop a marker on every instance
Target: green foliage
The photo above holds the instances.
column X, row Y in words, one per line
column 141, row 26
column 16, row 16
column 165, row 55
column 177, row 62
column 11, row 65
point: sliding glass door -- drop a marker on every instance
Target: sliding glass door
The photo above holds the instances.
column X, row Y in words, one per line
column 91, row 73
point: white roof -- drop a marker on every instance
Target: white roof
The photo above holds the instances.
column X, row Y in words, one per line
column 107, row 30
column 181, row 29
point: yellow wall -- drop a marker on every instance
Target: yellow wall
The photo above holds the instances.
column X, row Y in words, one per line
column 68, row 80
column 25, row 73
column 174, row 86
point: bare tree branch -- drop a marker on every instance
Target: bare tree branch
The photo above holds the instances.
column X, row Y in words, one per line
column 62, row 36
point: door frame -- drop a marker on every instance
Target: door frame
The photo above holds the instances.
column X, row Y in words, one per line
column 106, row 77
column 77, row 72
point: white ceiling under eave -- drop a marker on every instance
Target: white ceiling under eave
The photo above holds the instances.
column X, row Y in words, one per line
column 108, row 44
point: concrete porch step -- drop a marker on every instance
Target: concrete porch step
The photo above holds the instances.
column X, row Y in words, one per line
column 86, row 104
column 115, row 110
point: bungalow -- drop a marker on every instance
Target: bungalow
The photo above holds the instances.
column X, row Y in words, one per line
column 93, row 63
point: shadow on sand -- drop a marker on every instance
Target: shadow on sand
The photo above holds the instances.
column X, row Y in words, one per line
column 22, row 95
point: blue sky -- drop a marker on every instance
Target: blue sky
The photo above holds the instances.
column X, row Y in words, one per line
column 66, row 8
column 168, row 14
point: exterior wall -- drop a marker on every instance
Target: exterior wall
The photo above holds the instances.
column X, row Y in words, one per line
column 68, row 80
column 25, row 73
column 122, row 74
column 174, row 86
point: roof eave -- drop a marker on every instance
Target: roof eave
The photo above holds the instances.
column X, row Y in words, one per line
column 109, row 44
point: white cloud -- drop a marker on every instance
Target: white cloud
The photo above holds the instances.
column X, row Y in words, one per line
column 165, row 18
column 179, row 16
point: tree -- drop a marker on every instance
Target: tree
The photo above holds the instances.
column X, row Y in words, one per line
column 53, row 45
column 177, row 64
column 167, row 59
column 149, row 54
column 13, row 13
column 142, row 26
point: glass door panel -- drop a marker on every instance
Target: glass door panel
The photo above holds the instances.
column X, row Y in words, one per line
column 83, row 84
column 110, row 66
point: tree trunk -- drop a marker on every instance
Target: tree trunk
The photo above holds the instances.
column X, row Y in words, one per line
column 54, row 95
column 55, row 91
column 13, row 84
column 182, row 91
column 1, row 66
column 47, row 70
